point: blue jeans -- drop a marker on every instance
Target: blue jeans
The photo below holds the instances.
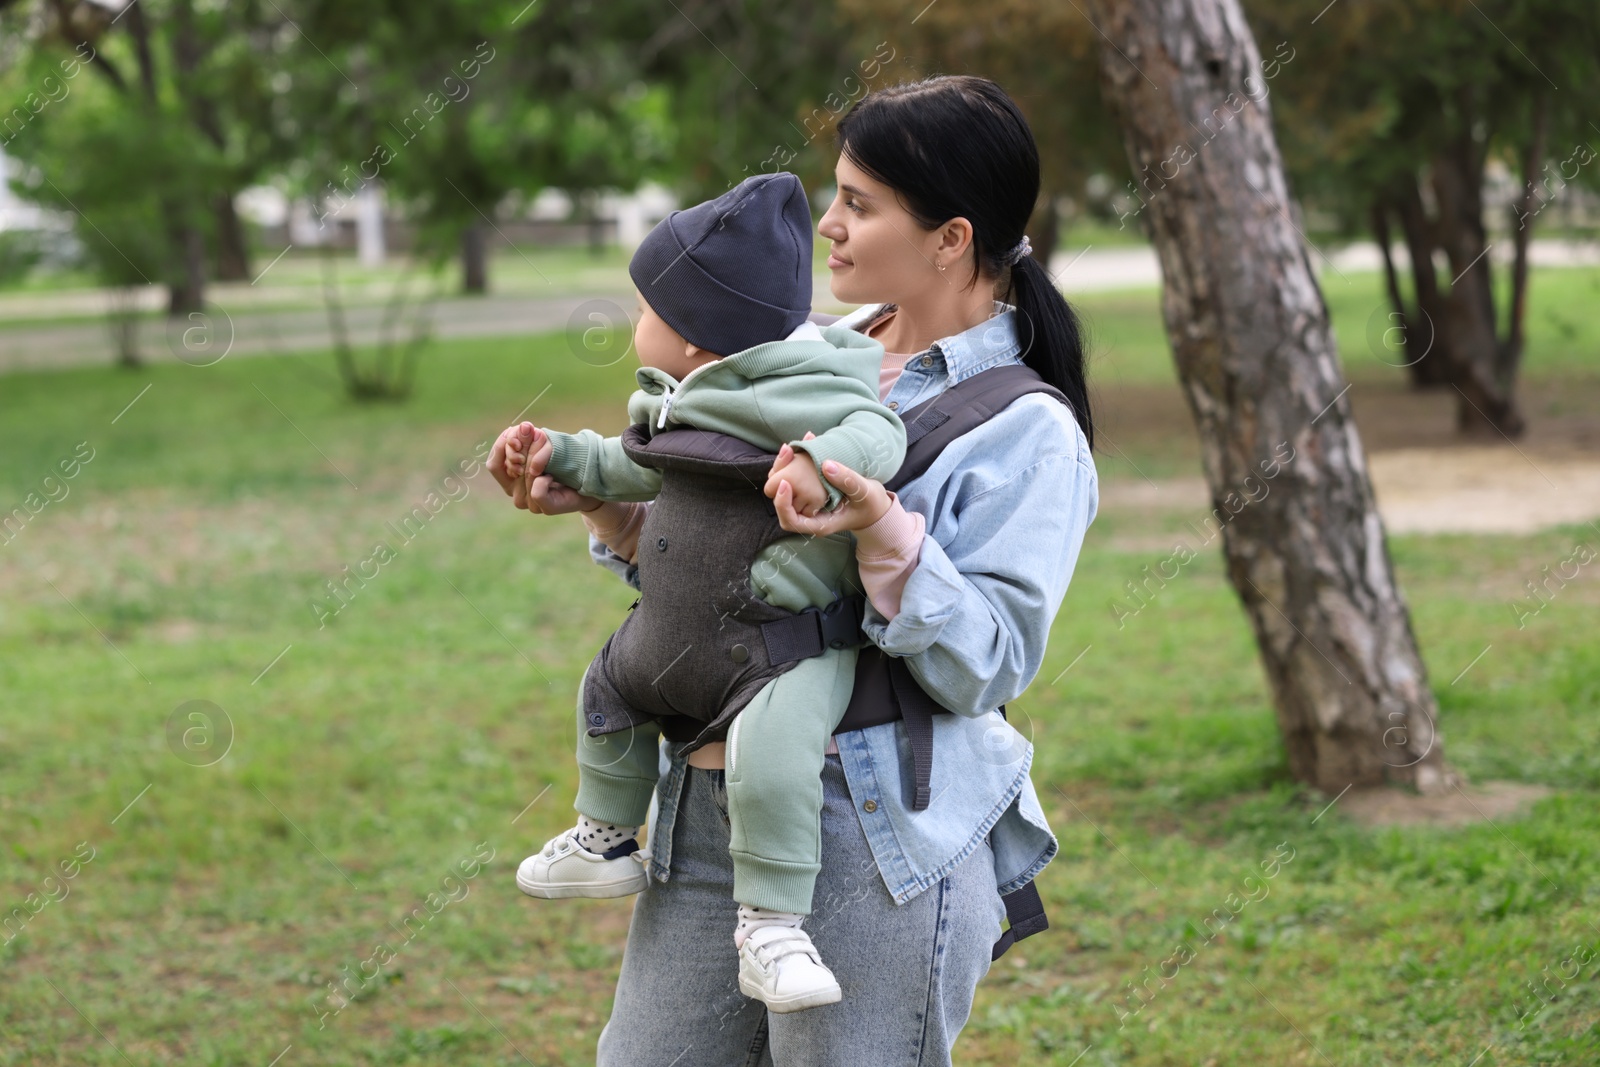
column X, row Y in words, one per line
column 908, row 972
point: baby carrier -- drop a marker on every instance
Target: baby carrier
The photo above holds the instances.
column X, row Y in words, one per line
column 698, row 643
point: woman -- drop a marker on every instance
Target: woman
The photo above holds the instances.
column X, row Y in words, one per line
column 965, row 568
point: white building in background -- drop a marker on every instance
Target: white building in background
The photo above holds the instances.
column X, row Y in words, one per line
column 551, row 205
column 18, row 214
column 637, row 213
column 308, row 225
column 369, row 225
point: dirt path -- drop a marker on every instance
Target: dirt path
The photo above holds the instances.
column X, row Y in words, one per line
column 1471, row 489
column 1426, row 479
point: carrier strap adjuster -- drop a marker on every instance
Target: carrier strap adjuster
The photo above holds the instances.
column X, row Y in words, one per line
column 813, row 630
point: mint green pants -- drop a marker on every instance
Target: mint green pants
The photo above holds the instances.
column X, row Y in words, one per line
column 774, row 776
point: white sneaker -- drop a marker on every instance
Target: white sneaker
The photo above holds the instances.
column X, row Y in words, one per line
column 779, row 966
column 564, row 868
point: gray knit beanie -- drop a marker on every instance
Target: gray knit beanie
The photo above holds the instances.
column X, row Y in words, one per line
column 733, row 272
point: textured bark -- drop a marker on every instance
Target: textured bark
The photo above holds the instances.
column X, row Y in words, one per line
column 1303, row 541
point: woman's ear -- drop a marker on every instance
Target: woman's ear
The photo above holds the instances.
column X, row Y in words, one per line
column 955, row 238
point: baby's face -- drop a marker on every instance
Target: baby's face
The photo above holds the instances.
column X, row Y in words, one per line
column 659, row 345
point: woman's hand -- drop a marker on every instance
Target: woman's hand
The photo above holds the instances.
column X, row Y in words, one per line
column 517, row 461
column 806, row 491
column 546, row 496
column 865, row 501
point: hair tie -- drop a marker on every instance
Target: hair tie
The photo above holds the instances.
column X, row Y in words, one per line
column 1022, row 248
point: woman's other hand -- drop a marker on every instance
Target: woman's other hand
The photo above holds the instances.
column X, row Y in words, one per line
column 544, row 495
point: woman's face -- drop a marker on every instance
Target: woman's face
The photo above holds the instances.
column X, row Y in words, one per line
column 880, row 254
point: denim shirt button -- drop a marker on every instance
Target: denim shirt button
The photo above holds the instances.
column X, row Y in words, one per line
column 870, row 806
column 925, row 361
column 894, row 405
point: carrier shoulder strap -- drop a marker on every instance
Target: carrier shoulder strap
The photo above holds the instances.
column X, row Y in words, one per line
column 885, row 689
column 961, row 408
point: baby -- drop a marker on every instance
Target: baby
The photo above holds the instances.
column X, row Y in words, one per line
column 726, row 639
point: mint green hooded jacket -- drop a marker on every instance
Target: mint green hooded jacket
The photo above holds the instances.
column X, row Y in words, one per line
column 822, row 379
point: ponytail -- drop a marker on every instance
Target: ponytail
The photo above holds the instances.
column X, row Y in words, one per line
column 1051, row 336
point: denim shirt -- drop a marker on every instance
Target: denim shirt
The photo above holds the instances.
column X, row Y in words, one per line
column 1006, row 507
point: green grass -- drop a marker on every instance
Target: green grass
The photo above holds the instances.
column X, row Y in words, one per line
column 1129, row 347
column 377, row 752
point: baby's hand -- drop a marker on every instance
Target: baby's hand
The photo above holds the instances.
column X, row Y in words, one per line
column 516, row 440
column 527, row 452
column 800, row 471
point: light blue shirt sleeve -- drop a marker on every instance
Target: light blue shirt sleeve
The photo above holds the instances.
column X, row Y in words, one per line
column 601, row 553
column 976, row 611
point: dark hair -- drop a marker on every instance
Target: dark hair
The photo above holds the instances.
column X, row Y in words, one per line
column 957, row 146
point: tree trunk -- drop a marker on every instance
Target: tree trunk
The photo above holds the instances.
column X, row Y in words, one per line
column 185, row 270
column 1303, row 541
column 1486, row 405
column 1399, row 321
column 124, row 320
column 1432, row 366
column 233, row 249
column 474, row 260
column 1522, row 217
column 187, row 292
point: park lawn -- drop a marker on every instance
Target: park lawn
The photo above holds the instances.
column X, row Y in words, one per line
column 1128, row 339
column 429, row 720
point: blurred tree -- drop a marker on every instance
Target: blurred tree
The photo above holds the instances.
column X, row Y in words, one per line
column 1392, row 113
column 1256, row 358
column 461, row 107
column 1043, row 54
column 754, row 86
column 188, row 82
